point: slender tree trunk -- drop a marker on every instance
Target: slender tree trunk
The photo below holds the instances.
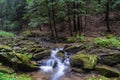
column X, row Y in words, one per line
column 69, row 19
column 40, row 28
column 50, row 23
column 74, row 18
column 78, row 20
column 81, row 23
column 54, row 23
column 107, row 16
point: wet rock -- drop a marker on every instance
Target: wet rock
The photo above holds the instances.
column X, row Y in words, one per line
column 61, row 54
column 26, row 64
column 77, row 70
column 36, row 50
column 107, row 71
column 42, row 55
column 110, row 59
column 75, row 48
column 84, row 60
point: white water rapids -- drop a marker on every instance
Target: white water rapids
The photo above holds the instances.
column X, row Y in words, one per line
column 61, row 66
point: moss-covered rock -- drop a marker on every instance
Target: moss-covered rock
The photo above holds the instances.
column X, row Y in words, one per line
column 42, row 55
column 28, row 33
column 84, row 60
column 107, row 71
column 17, row 61
column 5, row 69
column 5, row 48
column 111, row 59
column 36, row 50
column 78, row 70
column 75, row 48
column 61, row 54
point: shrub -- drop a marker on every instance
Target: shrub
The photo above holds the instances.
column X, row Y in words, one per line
column 6, row 34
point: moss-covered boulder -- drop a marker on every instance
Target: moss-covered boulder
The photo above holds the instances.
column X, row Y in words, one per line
column 17, row 61
column 107, row 71
column 42, row 55
column 5, row 69
column 110, row 59
column 75, row 48
column 36, row 50
column 5, row 48
column 84, row 60
column 61, row 54
column 78, row 70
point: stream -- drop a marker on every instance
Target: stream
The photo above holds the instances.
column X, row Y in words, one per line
column 56, row 66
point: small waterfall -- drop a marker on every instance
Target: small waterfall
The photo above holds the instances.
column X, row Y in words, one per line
column 61, row 66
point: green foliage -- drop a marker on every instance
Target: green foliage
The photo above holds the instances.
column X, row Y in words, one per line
column 107, row 42
column 70, row 40
column 80, row 38
column 6, row 34
column 11, row 13
column 4, row 76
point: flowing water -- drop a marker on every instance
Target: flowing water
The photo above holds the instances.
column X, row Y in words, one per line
column 55, row 65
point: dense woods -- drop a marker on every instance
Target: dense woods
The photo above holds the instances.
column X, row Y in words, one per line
column 59, row 39
column 72, row 14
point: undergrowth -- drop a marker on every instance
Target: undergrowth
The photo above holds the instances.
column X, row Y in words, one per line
column 5, row 76
column 111, row 42
column 6, row 34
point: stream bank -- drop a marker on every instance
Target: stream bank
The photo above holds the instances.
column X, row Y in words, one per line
column 87, row 60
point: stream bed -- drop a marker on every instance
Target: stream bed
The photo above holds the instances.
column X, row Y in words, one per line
column 55, row 65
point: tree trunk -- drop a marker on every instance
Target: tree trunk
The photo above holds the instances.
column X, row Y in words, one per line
column 54, row 23
column 74, row 18
column 50, row 23
column 107, row 16
column 69, row 19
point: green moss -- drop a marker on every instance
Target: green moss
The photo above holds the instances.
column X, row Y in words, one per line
column 111, row 59
column 85, row 60
column 60, row 54
column 107, row 42
column 5, row 69
column 70, row 40
column 36, row 50
column 28, row 33
column 41, row 55
column 107, row 71
column 5, row 76
column 98, row 78
column 5, row 48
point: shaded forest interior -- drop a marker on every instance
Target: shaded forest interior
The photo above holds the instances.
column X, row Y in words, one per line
column 78, row 38
column 61, row 17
